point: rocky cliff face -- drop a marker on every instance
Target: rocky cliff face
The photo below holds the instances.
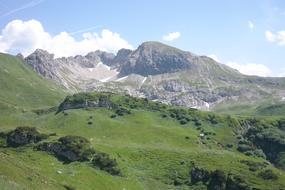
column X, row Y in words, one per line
column 157, row 72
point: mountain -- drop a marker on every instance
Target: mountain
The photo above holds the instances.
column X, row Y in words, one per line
column 22, row 88
column 162, row 73
column 108, row 141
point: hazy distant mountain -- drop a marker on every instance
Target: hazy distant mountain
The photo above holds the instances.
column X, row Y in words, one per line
column 159, row 72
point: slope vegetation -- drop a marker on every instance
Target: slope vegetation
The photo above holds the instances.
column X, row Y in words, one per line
column 108, row 141
column 22, row 88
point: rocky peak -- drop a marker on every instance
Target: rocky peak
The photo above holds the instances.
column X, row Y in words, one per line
column 152, row 58
column 40, row 55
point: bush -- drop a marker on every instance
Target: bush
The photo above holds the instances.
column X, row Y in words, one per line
column 268, row 175
column 280, row 161
column 69, row 149
column 259, row 153
column 244, row 148
column 218, row 180
column 24, row 135
column 67, row 187
column 229, row 145
column 212, row 119
column 104, row 162
column 164, row 116
column 122, row 111
column 253, row 166
column 113, row 116
column 183, row 122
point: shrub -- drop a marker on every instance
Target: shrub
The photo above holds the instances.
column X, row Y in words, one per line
column 259, row 153
column 268, row 175
column 104, row 162
column 122, row 111
column 24, row 135
column 229, row 145
column 253, row 166
column 280, row 161
column 67, row 187
column 183, row 122
column 69, row 149
column 196, row 121
column 163, row 115
column 218, row 180
column 199, row 174
column 212, row 119
column 113, row 116
column 244, row 148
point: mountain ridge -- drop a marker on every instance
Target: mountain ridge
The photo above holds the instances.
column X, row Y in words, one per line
column 158, row 72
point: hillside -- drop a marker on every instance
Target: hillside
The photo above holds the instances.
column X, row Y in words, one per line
column 130, row 143
column 21, row 88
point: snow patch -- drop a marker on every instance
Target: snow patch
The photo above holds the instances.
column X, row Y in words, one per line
column 122, row 78
column 207, row 105
column 144, row 79
column 90, row 69
column 283, row 98
column 100, row 64
column 105, row 79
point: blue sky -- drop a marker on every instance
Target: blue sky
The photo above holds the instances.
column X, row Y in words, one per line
column 247, row 35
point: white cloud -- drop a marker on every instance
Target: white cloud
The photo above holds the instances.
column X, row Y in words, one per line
column 251, row 69
column 278, row 37
column 171, row 36
column 282, row 73
column 26, row 36
column 215, row 57
column 250, row 25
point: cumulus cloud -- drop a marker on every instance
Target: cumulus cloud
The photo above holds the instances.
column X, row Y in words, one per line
column 250, row 25
column 171, row 36
column 251, row 69
column 282, row 73
column 26, row 36
column 278, row 37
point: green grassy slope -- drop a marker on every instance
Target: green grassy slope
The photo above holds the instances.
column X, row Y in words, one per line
column 21, row 88
column 153, row 149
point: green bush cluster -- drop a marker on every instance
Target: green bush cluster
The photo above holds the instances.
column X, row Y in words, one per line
column 254, row 166
column 249, row 149
column 22, row 136
column 180, row 115
column 104, row 162
column 75, row 148
column 217, row 179
column 213, row 119
column 268, row 175
column 270, row 139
